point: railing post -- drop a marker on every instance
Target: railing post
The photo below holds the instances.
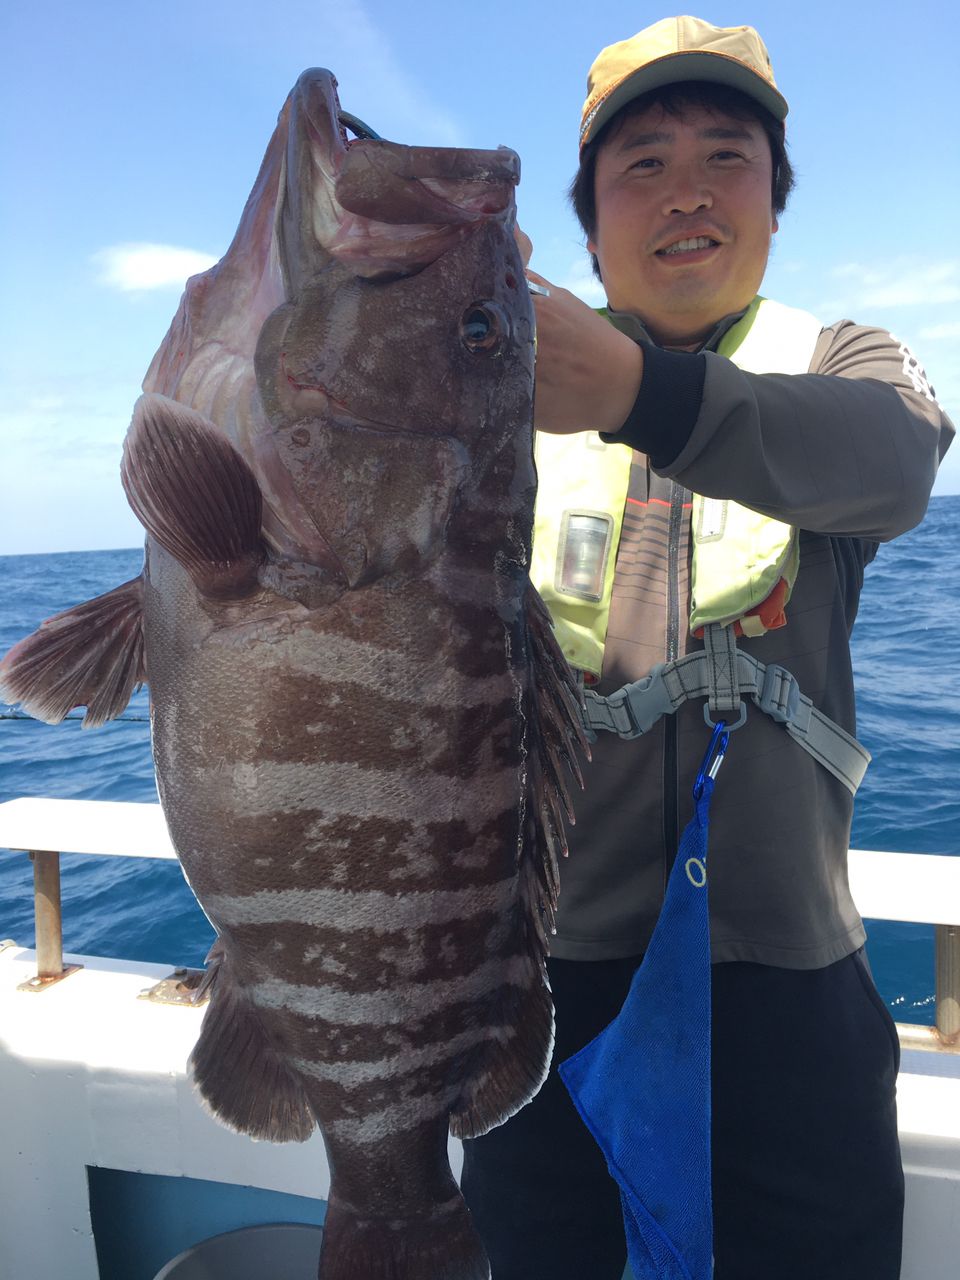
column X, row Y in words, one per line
column 47, row 913
column 49, row 922
column 947, row 965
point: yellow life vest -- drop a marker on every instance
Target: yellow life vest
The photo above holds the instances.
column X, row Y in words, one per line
column 739, row 556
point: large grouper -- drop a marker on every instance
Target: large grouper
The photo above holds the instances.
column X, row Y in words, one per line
column 361, row 722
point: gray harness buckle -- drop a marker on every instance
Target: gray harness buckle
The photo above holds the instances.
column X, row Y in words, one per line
column 632, row 710
column 636, row 708
column 779, row 696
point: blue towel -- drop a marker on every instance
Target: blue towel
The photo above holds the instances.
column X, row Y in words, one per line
column 643, row 1085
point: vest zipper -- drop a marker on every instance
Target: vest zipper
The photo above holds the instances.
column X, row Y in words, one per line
column 671, row 779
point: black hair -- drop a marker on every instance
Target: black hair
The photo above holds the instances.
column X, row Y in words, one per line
column 675, row 99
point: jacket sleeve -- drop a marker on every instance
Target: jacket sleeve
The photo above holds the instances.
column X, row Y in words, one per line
column 850, row 448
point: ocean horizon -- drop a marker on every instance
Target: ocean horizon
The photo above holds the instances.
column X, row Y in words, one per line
column 135, row 909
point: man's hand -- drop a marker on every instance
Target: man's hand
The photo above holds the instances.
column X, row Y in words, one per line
column 588, row 374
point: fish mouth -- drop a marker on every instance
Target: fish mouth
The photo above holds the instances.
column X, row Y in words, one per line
column 380, row 208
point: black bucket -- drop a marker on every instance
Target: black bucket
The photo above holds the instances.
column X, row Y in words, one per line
column 287, row 1249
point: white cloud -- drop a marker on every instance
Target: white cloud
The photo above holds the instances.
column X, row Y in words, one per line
column 46, row 404
column 134, row 268
column 937, row 331
column 579, row 279
column 901, row 283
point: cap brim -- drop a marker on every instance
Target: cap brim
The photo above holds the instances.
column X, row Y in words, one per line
column 676, row 68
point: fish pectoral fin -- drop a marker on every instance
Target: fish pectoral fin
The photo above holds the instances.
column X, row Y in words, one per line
column 91, row 655
column 193, row 492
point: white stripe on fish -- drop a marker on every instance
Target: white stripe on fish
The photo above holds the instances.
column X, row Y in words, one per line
column 402, row 1063
column 271, row 787
column 408, row 1113
column 372, row 910
column 407, row 674
column 391, row 1005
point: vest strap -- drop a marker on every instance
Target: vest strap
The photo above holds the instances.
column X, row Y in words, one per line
column 720, row 646
column 635, row 708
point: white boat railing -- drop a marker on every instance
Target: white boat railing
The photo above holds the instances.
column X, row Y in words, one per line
column 913, row 887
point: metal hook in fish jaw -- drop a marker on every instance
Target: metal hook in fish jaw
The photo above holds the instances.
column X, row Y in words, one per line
column 356, row 125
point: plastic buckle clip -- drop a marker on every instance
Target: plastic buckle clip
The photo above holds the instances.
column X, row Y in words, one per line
column 632, row 710
column 780, row 695
column 624, row 722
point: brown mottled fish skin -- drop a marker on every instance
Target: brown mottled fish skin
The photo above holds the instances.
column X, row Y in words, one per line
column 360, row 720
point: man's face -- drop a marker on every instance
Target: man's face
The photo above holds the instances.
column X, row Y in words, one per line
column 663, row 182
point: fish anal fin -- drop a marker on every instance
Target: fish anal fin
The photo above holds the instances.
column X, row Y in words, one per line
column 90, row 655
column 238, row 1072
column 195, row 494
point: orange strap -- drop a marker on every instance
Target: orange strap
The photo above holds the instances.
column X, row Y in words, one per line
column 770, row 611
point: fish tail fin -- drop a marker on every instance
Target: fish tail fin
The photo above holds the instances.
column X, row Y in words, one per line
column 442, row 1245
column 238, row 1071
column 88, row 656
column 194, row 493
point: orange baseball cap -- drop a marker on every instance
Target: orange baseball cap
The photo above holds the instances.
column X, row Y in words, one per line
column 673, row 50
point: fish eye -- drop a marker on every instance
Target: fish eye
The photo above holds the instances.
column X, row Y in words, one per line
column 481, row 328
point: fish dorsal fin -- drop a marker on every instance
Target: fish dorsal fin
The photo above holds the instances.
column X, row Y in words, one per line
column 88, row 656
column 556, row 732
column 195, row 495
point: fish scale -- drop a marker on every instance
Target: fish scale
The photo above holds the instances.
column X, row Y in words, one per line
column 360, row 718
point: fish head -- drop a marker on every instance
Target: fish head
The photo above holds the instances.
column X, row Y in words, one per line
column 399, row 368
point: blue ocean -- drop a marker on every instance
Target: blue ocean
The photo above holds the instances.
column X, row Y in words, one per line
column 904, row 648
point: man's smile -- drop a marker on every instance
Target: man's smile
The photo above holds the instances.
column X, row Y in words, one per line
column 689, row 248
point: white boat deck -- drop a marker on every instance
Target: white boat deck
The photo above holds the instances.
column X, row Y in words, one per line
column 92, row 1076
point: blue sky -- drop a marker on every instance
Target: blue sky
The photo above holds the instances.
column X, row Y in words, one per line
column 143, row 124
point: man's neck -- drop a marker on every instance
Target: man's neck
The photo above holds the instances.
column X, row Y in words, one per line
column 635, row 328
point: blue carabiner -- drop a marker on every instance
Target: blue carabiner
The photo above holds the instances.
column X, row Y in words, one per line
column 713, row 758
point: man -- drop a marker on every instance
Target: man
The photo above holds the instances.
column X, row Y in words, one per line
column 832, row 431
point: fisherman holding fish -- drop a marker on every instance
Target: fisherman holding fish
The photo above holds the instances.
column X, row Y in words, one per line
column 690, row 425
column 333, row 465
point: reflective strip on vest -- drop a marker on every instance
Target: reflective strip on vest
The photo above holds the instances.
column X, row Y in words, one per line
column 585, row 479
column 738, row 557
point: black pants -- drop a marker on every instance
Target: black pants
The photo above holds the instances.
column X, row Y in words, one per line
column 807, row 1180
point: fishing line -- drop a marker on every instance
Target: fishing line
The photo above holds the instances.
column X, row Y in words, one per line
column 22, row 715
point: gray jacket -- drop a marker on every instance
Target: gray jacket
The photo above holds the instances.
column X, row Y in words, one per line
column 848, row 453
